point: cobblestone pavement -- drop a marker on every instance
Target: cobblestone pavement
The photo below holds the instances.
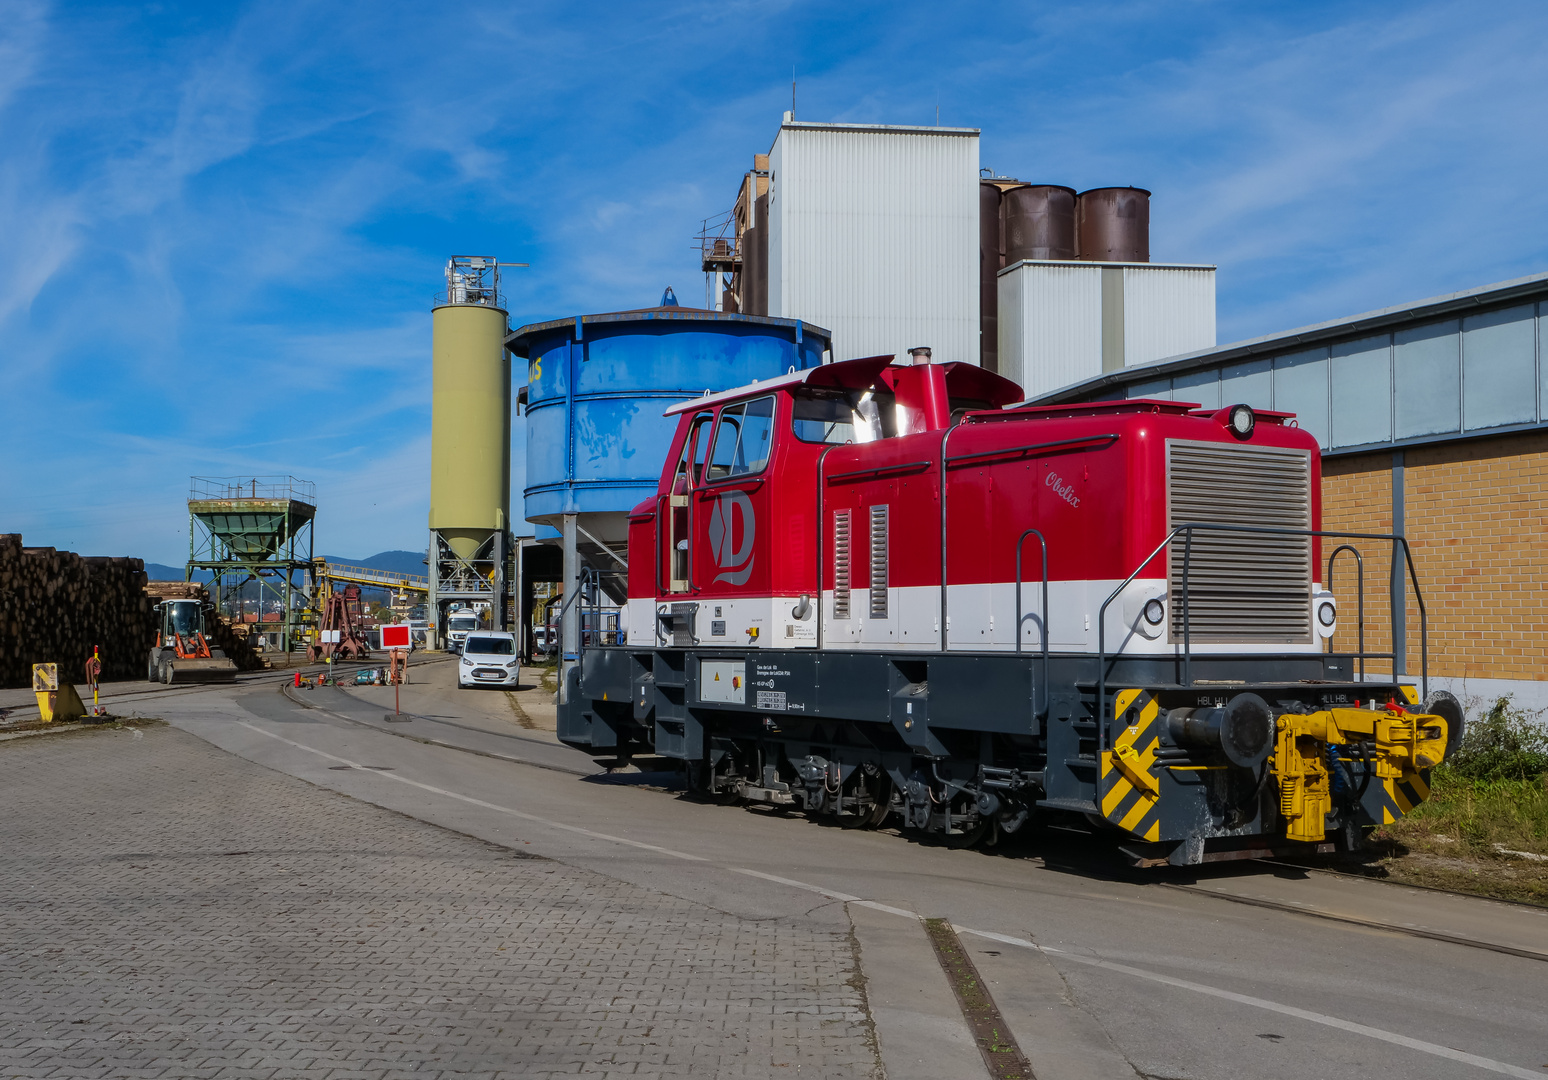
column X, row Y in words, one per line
column 167, row 910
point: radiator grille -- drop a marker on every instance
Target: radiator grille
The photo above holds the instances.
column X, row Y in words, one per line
column 1242, row 587
column 878, row 578
column 841, row 564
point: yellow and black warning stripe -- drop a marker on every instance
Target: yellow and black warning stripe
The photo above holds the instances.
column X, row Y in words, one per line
column 1401, row 794
column 1129, row 790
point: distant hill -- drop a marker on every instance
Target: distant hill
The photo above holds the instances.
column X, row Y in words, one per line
column 399, row 562
column 160, row 572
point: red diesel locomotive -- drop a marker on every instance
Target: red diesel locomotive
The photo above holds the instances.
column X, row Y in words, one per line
column 869, row 589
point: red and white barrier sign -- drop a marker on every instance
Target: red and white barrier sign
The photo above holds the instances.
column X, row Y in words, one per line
column 396, row 636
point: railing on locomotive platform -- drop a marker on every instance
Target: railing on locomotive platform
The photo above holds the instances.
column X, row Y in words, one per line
column 1187, row 530
column 598, row 622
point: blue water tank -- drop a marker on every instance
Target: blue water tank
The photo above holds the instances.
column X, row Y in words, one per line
column 597, row 386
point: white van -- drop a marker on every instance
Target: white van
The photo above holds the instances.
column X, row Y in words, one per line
column 488, row 659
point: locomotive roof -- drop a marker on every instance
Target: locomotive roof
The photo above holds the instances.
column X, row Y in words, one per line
column 1132, row 405
column 962, row 380
column 1108, row 408
column 845, row 375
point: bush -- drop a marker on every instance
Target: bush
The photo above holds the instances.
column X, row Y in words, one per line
column 1506, row 743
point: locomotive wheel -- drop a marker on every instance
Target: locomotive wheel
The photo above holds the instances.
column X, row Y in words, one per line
column 973, row 835
column 880, row 789
column 969, row 835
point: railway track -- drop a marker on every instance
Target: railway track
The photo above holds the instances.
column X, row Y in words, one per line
column 1268, row 903
column 1369, row 924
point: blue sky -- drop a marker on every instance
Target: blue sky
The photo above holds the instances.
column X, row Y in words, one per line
column 223, row 223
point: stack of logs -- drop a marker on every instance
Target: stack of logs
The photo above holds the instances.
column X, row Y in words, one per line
column 233, row 641
column 55, row 606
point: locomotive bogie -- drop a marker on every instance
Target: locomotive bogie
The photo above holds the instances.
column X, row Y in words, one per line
column 969, row 746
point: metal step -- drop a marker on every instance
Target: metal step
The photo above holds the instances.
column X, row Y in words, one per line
column 1078, row 806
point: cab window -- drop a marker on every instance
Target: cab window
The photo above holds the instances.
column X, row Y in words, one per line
column 694, row 451
column 185, row 616
column 743, row 439
column 833, row 416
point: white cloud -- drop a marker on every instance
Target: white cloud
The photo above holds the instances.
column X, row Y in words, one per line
column 223, row 231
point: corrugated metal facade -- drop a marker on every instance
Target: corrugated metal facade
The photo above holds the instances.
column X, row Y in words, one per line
column 1167, row 311
column 1050, row 325
column 873, row 233
column 1053, row 315
column 1424, row 379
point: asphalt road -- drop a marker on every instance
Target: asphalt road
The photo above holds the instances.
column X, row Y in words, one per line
column 1091, row 970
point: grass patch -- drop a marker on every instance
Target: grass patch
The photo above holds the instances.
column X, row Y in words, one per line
column 1489, row 801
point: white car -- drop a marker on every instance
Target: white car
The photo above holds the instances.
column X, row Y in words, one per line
column 488, row 659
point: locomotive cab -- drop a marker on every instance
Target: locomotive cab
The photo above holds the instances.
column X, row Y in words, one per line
column 879, row 590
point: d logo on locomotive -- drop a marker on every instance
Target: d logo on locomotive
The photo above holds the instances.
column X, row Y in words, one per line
column 737, row 562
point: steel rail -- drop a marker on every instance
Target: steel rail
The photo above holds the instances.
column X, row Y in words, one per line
column 1353, row 920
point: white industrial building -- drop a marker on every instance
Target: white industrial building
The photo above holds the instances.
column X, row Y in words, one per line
column 891, row 237
column 872, row 232
column 1066, row 321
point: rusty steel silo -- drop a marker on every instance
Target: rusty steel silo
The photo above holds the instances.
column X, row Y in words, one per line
column 1039, row 222
column 1113, row 225
column 990, row 260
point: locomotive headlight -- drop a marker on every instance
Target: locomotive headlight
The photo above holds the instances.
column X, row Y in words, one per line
column 1144, row 610
column 1325, row 607
column 1155, row 611
column 1241, row 421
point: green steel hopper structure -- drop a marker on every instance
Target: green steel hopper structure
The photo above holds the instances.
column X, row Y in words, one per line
column 254, row 529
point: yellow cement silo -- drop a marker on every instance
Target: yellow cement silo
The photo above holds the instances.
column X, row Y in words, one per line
column 470, row 448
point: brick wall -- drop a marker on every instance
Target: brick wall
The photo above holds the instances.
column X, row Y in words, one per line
column 1357, row 497
column 1476, row 516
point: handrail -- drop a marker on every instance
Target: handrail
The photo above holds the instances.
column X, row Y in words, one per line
column 1360, row 610
column 590, row 579
column 880, row 470
column 720, row 483
column 945, row 589
column 1041, row 539
column 219, row 488
column 659, row 500
column 822, row 527
column 1058, row 444
column 559, row 618
column 1408, row 558
column 370, row 575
